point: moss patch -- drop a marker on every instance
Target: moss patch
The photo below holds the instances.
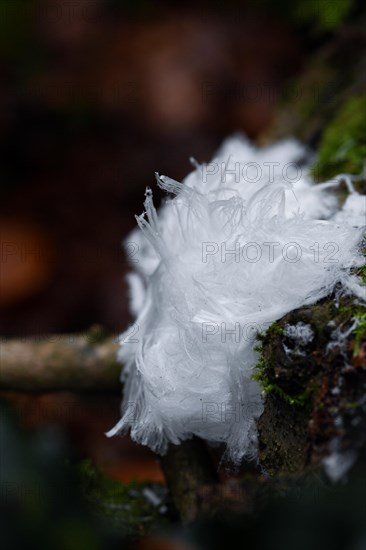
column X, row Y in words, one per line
column 266, row 372
column 343, row 145
column 122, row 507
column 324, row 15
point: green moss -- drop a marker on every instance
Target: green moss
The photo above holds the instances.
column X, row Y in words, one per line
column 362, row 273
column 316, row 16
column 360, row 332
column 263, row 370
column 261, row 376
column 300, row 400
column 324, row 15
column 122, row 506
column 343, row 145
column 273, row 329
column 351, row 311
column 356, row 312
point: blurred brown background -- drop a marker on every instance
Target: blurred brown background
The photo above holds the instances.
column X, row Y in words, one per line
column 96, row 96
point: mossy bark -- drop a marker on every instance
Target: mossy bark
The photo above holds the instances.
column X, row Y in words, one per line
column 315, row 390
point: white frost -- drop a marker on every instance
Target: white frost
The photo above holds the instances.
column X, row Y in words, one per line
column 302, row 333
column 221, row 260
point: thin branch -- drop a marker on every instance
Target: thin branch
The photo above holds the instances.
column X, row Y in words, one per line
column 71, row 362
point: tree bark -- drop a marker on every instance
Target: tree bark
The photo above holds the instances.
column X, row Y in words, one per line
column 188, row 470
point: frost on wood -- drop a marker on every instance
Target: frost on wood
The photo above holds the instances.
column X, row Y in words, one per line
column 301, row 334
column 244, row 240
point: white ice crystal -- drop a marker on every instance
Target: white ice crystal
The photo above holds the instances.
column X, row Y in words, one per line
column 301, row 333
column 244, row 240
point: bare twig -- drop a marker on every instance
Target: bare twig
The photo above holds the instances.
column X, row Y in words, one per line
column 60, row 362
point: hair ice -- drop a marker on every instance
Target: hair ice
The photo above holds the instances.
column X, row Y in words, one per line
column 198, row 295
